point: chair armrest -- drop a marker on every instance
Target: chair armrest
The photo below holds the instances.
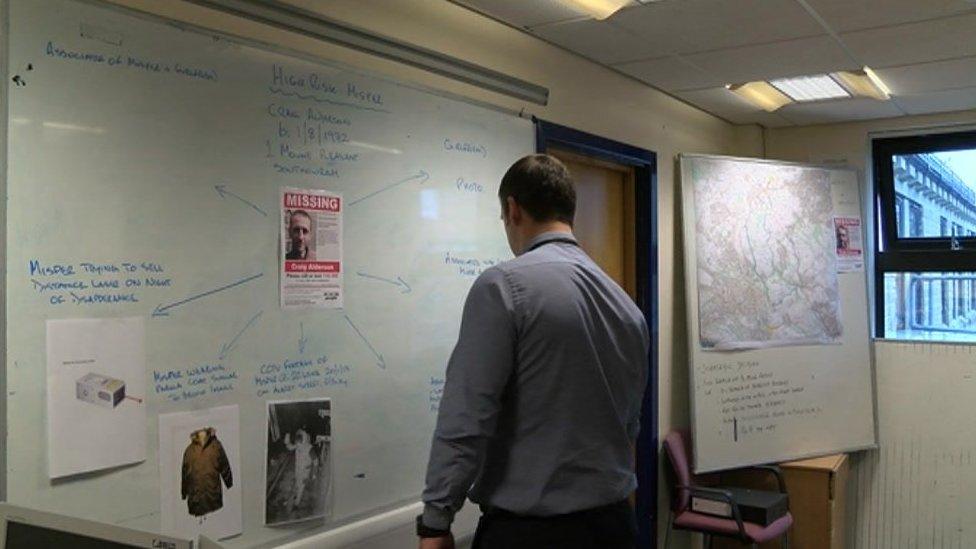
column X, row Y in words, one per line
column 722, row 495
column 775, row 471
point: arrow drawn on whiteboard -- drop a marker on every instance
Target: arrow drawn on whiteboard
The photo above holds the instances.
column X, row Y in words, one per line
column 163, row 310
column 422, row 175
column 226, row 347
column 404, row 287
column 223, row 192
column 302, row 340
column 380, row 362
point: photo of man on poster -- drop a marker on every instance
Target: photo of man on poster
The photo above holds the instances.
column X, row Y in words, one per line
column 301, row 236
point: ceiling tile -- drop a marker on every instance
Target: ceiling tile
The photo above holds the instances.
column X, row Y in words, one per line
column 841, row 110
column 671, row 73
column 700, row 25
column 939, row 101
column 926, row 77
column 789, row 58
column 721, row 102
column 845, row 15
column 914, row 43
column 601, row 41
column 925, row 50
column 520, row 13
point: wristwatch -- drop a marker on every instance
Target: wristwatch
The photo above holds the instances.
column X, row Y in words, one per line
column 427, row 532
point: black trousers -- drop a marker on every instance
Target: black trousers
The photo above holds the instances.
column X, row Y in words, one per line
column 609, row 527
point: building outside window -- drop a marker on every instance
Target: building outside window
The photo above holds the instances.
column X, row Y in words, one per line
column 914, row 218
column 926, row 244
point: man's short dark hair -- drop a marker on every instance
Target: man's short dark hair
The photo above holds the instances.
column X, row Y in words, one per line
column 542, row 186
column 299, row 212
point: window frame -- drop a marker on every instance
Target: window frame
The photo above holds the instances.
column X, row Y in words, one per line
column 912, row 254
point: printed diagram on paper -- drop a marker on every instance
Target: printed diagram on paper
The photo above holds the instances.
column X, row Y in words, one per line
column 766, row 256
column 96, row 414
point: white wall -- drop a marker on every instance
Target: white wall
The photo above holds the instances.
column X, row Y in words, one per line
column 849, row 142
column 917, row 489
column 584, row 96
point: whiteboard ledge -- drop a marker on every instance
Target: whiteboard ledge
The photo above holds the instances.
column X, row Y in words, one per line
column 359, row 530
column 870, row 446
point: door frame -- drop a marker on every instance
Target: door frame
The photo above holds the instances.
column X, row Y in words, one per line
column 644, row 163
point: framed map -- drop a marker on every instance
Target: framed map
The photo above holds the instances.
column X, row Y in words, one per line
column 766, row 259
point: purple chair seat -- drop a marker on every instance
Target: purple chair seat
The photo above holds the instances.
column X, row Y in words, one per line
column 691, row 520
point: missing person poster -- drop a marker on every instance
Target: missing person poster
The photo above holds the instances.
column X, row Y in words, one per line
column 311, row 249
column 850, row 251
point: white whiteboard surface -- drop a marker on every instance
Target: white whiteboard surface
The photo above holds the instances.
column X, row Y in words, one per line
column 151, row 149
column 830, row 404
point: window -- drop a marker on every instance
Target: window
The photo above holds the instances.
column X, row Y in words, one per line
column 914, row 218
column 925, row 197
column 900, row 216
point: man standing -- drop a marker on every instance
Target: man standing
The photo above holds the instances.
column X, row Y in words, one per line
column 543, row 393
column 299, row 230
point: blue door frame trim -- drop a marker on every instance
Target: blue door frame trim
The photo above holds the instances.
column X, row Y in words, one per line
column 644, row 163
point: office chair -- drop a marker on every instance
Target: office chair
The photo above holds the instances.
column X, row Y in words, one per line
column 681, row 517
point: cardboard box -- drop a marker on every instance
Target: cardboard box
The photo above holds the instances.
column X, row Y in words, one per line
column 100, row 390
column 761, row 507
column 817, row 490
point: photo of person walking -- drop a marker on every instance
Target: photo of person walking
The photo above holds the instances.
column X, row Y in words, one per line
column 299, row 461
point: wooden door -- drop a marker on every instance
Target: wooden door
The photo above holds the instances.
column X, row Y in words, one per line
column 605, row 223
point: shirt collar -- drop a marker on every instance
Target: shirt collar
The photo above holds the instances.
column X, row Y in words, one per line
column 540, row 239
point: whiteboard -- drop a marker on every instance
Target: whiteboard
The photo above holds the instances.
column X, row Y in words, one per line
column 149, row 151
column 776, row 403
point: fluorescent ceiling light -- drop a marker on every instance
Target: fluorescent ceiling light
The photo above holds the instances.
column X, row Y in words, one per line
column 599, row 9
column 810, row 88
column 864, row 83
column 761, row 94
column 876, row 80
column 774, row 94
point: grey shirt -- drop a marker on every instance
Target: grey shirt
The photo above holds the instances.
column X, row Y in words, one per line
column 542, row 399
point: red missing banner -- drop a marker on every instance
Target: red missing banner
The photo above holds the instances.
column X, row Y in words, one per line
column 312, row 202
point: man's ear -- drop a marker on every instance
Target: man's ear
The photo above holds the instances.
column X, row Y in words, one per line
column 514, row 211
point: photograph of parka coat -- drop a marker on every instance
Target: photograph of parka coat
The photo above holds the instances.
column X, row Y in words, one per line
column 204, row 465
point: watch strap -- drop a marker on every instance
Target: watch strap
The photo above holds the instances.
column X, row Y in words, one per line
column 428, row 532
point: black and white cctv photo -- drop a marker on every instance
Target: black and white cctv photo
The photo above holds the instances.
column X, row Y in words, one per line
column 298, row 472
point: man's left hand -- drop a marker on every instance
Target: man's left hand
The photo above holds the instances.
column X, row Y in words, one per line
column 442, row 542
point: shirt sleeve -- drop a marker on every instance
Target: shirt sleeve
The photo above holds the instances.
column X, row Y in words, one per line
column 633, row 425
column 477, row 374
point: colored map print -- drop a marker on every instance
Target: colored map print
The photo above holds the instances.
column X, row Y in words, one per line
column 766, row 263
